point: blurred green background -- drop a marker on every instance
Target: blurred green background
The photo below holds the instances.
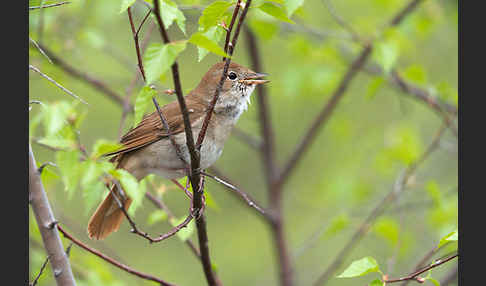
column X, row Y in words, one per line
column 374, row 133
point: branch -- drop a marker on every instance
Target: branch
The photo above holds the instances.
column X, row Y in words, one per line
column 111, row 260
column 322, row 117
column 230, row 28
column 247, row 138
column 93, row 81
column 145, row 235
column 135, row 38
column 240, row 193
column 57, row 84
column 49, row 5
column 414, row 275
column 45, row 220
column 397, row 189
column 40, row 272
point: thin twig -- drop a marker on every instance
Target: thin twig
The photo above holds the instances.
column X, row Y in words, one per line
column 244, row 195
column 57, row 84
column 135, row 39
column 40, row 272
column 230, row 28
column 111, row 260
column 414, row 275
column 145, row 235
column 40, row 50
column 93, row 81
column 249, row 139
column 354, row 35
column 48, row 5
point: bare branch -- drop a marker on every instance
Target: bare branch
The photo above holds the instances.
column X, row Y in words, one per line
column 50, row 237
column 93, row 81
column 354, row 35
column 40, row 50
column 40, row 272
column 414, row 276
column 135, row 38
column 48, row 5
column 111, row 260
column 230, row 28
column 57, row 84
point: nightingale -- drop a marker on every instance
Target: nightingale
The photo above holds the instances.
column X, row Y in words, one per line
column 147, row 149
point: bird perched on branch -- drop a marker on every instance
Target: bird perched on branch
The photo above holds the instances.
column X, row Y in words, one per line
column 147, row 148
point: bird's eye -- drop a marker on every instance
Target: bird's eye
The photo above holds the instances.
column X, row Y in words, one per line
column 232, row 75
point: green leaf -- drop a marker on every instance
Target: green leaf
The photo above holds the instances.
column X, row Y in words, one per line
column 48, row 176
column 159, row 58
column 416, row 74
column 448, row 238
column 360, row 267
column 55, row 117
column 435, row 282
column 69, row 165
column 373, row 87
column 264, row 29
column 387, row 228
column 202, row 41
column 156, row 216
column 103, row 146
column 134, row 189
column 214, row 34
column 185, row 232
column 170, row 12
column 337, row 224
column 213, row 14
column 275, row 11
column 292, row 5
column 142, row 102
column 376, row 282
column 386, row 54
column 433, row 190
column 125, row 4
column 211, row 202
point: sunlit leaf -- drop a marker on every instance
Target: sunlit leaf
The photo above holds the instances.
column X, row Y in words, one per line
column 337, row 224
column 453, row 236
column 159, row 58
column 292, row 5
column 125, row 4
column 142, row 102
column 416, row 74
column 387, row 228
column 433, row 190
column 212, row 14
column 386, row 54
column 275, row 11
column 157, row 216
column 202, row 41
column 376, row 282
column 214, row 34
column 373, row 87
column 134, row 189
column 264, row 29
column 103, row 146
column 170, row 13
column 360, row 267
column 69, row 166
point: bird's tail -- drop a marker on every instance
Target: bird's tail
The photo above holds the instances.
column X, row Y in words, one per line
column 108, row 216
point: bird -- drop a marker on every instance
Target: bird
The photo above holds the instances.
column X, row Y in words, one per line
column 147, row 149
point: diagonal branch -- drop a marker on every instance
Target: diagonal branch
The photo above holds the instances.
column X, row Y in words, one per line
column 45, row 220
column 230, row 28
column 111, row 260
column 135, row 38
column 48, row 5
column 326, row 112
column 397, row 189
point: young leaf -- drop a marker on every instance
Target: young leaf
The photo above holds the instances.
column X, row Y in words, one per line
column 292, row 5
column 159, row 58
column 134, row 189
column 156, row 216
column 360, row 267
column 337, row 224
column 202, row 41
column 275, row 11
column 125, row 4
column 170, row 12
column 103, row 146
column 68, row 163
column 212, row 14
column 386, row 54
column 214, row 34
column 449, row 237
column 373, row 87
column 142, row 102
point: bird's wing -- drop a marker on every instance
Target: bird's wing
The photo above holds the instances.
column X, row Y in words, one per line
column 151, row 129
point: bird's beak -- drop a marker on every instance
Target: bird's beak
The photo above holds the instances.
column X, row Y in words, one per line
column 254, row 78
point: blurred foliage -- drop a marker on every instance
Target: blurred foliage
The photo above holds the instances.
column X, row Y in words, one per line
column 375, row 132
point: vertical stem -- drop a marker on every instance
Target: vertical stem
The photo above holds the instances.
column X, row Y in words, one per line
column 47, row 227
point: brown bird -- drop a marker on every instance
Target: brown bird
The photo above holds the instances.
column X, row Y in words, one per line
column 147, row 148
